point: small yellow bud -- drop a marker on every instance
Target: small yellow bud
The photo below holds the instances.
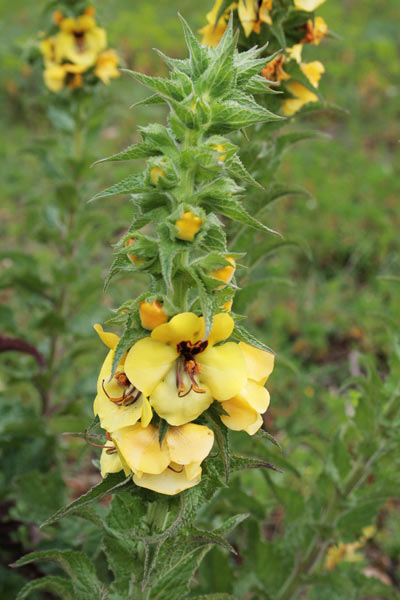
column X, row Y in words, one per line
column 188, row 225
column 225, row 274
column 155, row 174
column 90, row 11
column 57, row 17
column 152, row 314
column 132, row 257
column 220, row 148
column 227, row 306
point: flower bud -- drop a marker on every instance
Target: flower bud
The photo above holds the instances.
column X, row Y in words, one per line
column 57, row 17
column 188, row 225
column 220, row 148
column 132, row 257
column 155, row 174
column 225, row 274
column 227, row 306
column 152, row 314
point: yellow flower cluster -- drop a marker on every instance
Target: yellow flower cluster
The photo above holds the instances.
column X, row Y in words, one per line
column 252, row 14
column 177, row 373
column 77, row 47
column 347, row 552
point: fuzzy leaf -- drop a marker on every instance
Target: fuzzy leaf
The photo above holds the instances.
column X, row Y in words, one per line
column 128, row 338
column 285, row 141
column 243, row 462
column 140, row 150
column 229, row 116
column 198, row 54
column 112, row 482
column 129, row 185
column 240, row 333
column 60, row 586
column 221, row 433
column 78, row 566
column 168, row 250
column 231, row 207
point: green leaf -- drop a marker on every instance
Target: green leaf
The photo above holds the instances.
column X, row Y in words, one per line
column 237, row 169
column 51, row 583
column 231, row 207
column 168, row 88
column 175, row 584
column 168, row 249
column 285, row 141
column 141, row 150
column 212, row 537
column 240, row 333
column 130, row 185
column 261, row 433
column 128, row 338
column 197, row 53
column 112, row 482
column 221, row 433
column 238, row 463
column 162, row 430
column 207, row 302
column 77, row 565
column 229, row 116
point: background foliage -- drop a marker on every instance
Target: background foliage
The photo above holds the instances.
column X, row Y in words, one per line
column 321, row 308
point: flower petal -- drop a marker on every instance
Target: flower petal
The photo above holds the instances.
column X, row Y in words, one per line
column 113, row 417
column 183, row 327
column 255, row 395
column 223, row 370
column 242, row 417
column 147, row 363
column 259, row 364
column 141, row 449
column 168, row 482
column 108, row 338
column 175, row 410
column 193, row 471
column 189, row 443
column 147, row 413
column 110, row 463
column 221, row 329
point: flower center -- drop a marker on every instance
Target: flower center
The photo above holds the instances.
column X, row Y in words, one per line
column 130, row 394
column 186, row 363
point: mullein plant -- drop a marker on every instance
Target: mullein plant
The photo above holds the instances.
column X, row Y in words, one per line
column 185, row 371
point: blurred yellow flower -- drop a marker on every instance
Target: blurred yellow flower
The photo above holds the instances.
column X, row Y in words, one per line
column 79, row 41
column 316, row 31
column 152, row 314
column 155, row 174
column 274, row 71
column 166, row 468
column 106, row 66
column 342, row 552
column 248, row 15
column 57, row 76
column 302, row 95
column 188, row 225
column 118, row 403
column 213, row 32
column 308, row 5
column 245, row 409
column 182, row 372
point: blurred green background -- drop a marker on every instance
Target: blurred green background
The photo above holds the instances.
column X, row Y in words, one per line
column 321, row 307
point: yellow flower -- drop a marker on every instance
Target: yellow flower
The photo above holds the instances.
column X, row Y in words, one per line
column 316, row 31
column 245, row 409
column 168, row 468
column 225, row 273
column 294, row 52
column 155, row 174
column 79, row 41
column 56, row 76
column 152, row 314
column 313, row 71
column 302, row 95
column 106, row 66
column 248, row 14
column 342, row 552
column 182, row 372
column 188, row 225
column 263, row 15
column 213, row 32
column 118, row 403
column 308, row 5
column 273, row 71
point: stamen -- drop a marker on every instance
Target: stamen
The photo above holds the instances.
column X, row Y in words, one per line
column 96, row 445
column 174, row 470
column 180, row 395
